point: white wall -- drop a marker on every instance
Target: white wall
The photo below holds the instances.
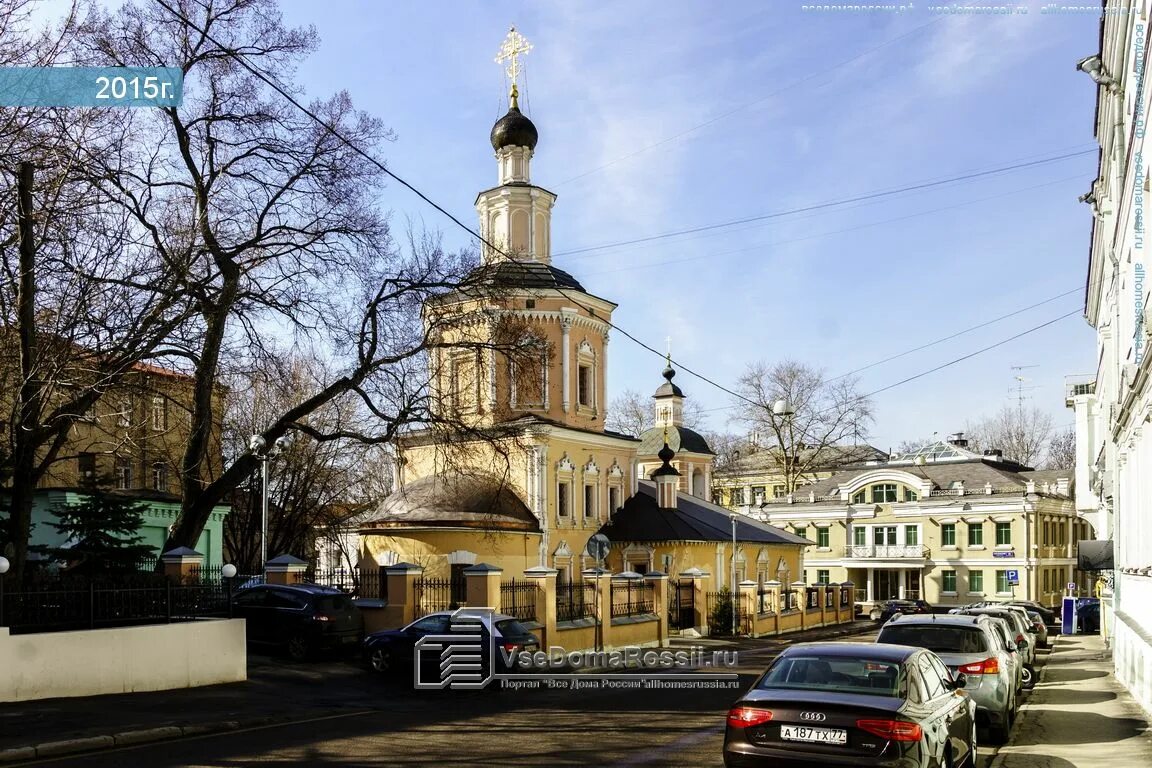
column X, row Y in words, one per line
column 1132, row 645
column 152, row 658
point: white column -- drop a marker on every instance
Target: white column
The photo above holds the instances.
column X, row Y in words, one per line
column 868, row 587
column 602, row 396
column 903, row 583
column 566, row 357
column 691, row 472
column 491, row 381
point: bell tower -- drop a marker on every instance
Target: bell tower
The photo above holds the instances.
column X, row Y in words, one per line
column 515, row 216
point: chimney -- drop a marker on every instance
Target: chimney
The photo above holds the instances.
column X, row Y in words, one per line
column 1063, row 485
column 994, row 453
column 958, row 440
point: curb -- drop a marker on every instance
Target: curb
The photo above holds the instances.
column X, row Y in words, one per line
column 1001, row 756
column 127, row 738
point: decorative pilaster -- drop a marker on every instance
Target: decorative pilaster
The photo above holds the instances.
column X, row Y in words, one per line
column 566, row 358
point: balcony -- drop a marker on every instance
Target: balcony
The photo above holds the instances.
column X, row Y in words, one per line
column 875, row 552
column 1075, row 386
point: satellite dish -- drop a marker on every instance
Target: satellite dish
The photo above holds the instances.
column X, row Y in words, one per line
column 598, row 547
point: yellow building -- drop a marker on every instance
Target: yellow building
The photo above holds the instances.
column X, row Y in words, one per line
column 555, row 476
column 942, row 524
column 756, row 476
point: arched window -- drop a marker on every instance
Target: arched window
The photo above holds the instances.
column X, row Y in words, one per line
column 884, row 493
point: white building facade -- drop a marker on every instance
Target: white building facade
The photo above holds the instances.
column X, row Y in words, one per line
column 1114, row 406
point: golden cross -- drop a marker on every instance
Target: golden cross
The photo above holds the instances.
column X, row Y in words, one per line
column 511, row 50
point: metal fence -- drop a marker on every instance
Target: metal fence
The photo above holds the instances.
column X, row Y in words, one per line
column 722, row 605
column 432, row 595
column 632, row 597
column 518, row 599
column 71, row 604
column 682, row 604
column 575, row 601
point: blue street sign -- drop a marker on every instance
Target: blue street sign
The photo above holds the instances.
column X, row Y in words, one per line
column 1014, row 577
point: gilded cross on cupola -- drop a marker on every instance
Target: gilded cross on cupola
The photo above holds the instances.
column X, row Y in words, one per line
column 515, row 45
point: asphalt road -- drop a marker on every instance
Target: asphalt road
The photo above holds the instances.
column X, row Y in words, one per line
column 390, row 725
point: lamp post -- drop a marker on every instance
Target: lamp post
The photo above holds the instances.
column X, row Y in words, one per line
column 732, row 583
column 259, row 448
column 782, row 409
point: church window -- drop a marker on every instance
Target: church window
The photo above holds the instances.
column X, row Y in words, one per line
column 584, row 385
column 589, row 500
column 563, row 502
column 613, row 499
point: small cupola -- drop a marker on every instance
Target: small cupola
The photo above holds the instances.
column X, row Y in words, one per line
column 669, row 399
column 666, row 477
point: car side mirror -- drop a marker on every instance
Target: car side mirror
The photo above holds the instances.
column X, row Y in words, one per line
column 960, row 681
column 1022, row 644
column 1010, row 647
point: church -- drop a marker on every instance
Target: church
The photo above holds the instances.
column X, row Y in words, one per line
column 555, row 476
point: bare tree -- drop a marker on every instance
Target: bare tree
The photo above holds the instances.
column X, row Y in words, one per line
column 1020, row 433
column 815, row 414
column 272, row 224
column 631, row 413
column 1061, row 453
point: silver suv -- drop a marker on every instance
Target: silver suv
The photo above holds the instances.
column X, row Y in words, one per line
column 1021, row 631
column 972, row 646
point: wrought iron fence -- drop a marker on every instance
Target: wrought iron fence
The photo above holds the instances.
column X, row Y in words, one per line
column 682, row 605
column 432, row 595
column 575, row 601
column 518, row 599
column 721, row 607
column 70, row 604
column 632, row 597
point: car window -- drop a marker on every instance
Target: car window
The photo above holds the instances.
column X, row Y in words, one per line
column 431, row 624
column 942, row 670
column 332, row 603
column 1001, row 631
column 251, row 598
column 278, row 599
column 933, row 685
column 936, row 638
column 835, row 673
column 511, row 628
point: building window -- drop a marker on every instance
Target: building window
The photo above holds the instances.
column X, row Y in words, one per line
column 948, row 581
column 910, row 495
column 160, row 476
column 802, row 531
column 718, row 498
column 1047, row 533
column 911, row 536
column 589, row 501
column 860, row 497
column 948, row 534
column 1003, row 534
column 884, row 493
column 124, row 412
column 975, row 534
column 1002, row 585
column 778, row 492
column 823, row 576
column 758, row 494
column 123, row 473
column 860, row 536
column 563, row 502
column 86, row 466
column 613, row 500
column 737, row 497
column 976, row 582
column 159, row 414
column 822, row 538
column 584, row 385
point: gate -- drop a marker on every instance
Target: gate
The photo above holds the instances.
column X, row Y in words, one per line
column 682, row 605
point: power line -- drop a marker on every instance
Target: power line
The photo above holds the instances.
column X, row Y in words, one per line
column 748, row 105
column 829, row 203
column 367, row 156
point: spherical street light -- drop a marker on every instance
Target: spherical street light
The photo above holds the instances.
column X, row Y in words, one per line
column 228, row 571
column 4, row 565
column 782, row 408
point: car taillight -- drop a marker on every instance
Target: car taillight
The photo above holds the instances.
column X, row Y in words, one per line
column 746, row 717
column 894, row 730
column 321, row 617
column 510, row 647
column 987, row 667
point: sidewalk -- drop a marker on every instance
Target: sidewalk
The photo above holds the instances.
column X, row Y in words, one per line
column 1078, row 716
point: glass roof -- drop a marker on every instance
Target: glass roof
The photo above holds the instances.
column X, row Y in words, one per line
column 937, row 451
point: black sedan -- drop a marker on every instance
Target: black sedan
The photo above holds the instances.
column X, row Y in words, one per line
column 853, row 704
column 301, row 618
column 392, row 651
column 889, row 608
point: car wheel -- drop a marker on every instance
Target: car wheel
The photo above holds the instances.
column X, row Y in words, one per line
column 875, row 615
column 299, row 648
column 380, row 659
column 1029, row 676
column 998, row 733
column 973, row 750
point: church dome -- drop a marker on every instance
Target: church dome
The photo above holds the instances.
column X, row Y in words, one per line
column 454, row 501
column 514, row 130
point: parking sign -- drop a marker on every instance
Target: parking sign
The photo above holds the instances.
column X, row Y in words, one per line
column 1014, row 577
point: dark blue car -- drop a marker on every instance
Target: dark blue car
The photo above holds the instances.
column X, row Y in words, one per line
column 392, row 651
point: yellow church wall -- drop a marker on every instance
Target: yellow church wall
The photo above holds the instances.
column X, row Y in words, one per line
column 430, row 548
column 755, row 560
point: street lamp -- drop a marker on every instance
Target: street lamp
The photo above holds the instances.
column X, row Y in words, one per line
column 732, row 588
column 259, row 448
column 4, row 565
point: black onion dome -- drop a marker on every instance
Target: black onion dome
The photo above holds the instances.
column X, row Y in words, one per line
column 668, row 388
column 514, row 130
column 666, row 454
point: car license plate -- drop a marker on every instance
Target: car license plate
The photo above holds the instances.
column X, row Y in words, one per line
column 348, row 639
column 814, row 735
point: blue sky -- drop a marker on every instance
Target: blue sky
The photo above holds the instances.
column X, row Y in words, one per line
column 783, row 123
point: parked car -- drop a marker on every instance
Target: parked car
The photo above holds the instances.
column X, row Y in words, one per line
column 392, row 651
column 883, row 611
column 1018, row 633
column 1047, row 614
column 301, row 618
column 858, row 704
column 1040, row 627
column 969, row 645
